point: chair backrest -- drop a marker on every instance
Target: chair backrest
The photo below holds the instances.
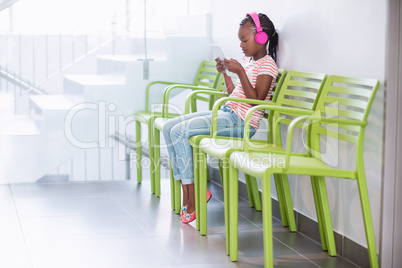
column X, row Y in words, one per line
column 298, row 90
column 349, row 101
column 207, row 74
column 279, row 81
column 221, row 86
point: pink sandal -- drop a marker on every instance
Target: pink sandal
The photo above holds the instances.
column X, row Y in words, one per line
column 183, row 210
column 209, row 195
column 187, row 218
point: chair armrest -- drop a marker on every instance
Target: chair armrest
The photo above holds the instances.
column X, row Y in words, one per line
column 166, row 93
column 272, row 107
column 191, row 95
column 219, row 102
column 149, row 88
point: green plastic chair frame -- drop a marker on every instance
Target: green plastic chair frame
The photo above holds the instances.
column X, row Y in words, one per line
column 304, row 86
column 252, row 187
column 158, row 124
column 206, row 77
column 347, row 123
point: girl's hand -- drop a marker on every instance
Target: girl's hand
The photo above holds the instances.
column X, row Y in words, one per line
column 220, row 66
column 234, row 66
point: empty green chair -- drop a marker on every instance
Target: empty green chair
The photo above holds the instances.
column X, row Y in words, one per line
column 341, row 113
column 207, row 76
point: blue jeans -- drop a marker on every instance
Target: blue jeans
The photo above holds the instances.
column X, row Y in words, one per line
column 177, row 132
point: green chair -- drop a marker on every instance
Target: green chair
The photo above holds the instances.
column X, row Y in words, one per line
column 298, row 90
column 341, row 113
column 160, row 122
column 252, row 187
column 207, row 76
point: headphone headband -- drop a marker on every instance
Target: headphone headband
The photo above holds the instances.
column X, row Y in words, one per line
column 260, row 37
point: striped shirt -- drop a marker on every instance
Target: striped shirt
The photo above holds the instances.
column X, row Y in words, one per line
column 263, row 66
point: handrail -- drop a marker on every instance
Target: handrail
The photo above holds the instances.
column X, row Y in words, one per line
column 19, row 81
column 87, row 53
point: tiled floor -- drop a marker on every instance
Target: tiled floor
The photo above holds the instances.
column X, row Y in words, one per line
column 121, row 224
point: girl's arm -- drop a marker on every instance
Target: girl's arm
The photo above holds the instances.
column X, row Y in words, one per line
column 228, row 81
column 262, row 85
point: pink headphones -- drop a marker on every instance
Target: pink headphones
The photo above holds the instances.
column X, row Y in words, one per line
column 260, row 37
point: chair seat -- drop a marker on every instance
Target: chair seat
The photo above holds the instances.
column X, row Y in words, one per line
column 145, row 116
column 256, row 164
column 220, row 147
column 160, row 122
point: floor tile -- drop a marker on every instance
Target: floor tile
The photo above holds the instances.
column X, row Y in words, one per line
column 75, row 227
column 97, row 253
column 7, row 207
column 194, row 249
column 11, row 228
column 68, row 206
column 121, row 224
column 134, row 188
column 51, row 190
column 5, row 192
column 14, row 254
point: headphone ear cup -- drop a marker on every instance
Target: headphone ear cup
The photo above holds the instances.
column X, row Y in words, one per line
column 261, row 38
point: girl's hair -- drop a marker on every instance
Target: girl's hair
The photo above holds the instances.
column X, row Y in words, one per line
column 267, row 27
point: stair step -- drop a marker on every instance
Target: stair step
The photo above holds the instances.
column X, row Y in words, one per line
column 18, row 125
column 97, row 80
column 114, row 64
column 120, row 58
column 52, row 102
column 6, row 103
column 49, row 111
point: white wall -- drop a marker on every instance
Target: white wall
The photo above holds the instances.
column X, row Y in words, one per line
column 334, row 37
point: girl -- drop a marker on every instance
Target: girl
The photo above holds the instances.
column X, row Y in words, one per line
column 257, row 75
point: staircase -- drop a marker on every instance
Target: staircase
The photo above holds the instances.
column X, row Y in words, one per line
column 6, row 4
column 70, row 133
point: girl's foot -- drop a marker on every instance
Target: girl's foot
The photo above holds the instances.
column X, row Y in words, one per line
column 209, row 195
column 183, row 210
column 187, row 218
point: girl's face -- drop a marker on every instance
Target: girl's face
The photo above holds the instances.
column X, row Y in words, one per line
column 248, row 44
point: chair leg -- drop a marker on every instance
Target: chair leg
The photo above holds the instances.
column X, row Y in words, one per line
column 196, row 187
column 175, row 190
column 202, row 196
column 255, row 193
column 280, row 194
column 157, row 163
column 220, row 169
column 151, row 156
column 323, row 206
column 248, row 179
column 177, row 196
column 208, row 177
column 267, row 220
column 288, row 204
column 138, row 150
column 368, row 221
column 226, row 202
column 233, row 213
column 319, row 211
column 172, row 189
